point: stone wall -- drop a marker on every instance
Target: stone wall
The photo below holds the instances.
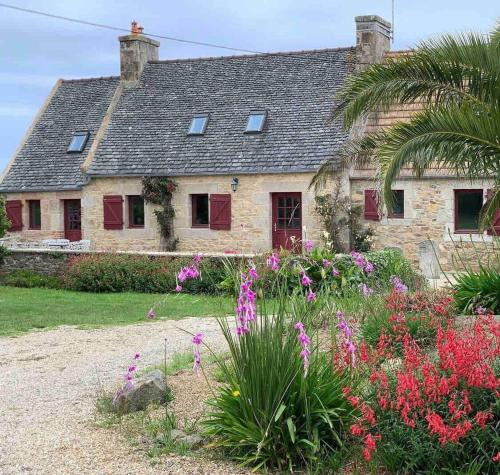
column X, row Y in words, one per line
column 250, row 209
column 55, row 262
column 428, row 214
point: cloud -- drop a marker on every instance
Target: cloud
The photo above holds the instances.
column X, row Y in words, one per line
column 18, row 110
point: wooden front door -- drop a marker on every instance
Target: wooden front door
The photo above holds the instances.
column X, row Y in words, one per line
column 286, row 220
column 72, row 220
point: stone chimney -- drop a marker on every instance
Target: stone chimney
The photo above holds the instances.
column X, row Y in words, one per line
column 373, row 38
column 135, row 51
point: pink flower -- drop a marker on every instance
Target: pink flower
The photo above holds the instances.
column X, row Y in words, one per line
column 308, row 245
column 306, row 280
column 359, row 260
column 369, row 267
column 304, row 341
column 397, row 285
column 151, row 314
column 335, row 272
column 365, row 290
column 178, row 288
column 326, row 263
column 197, row 341
column 273, row 261
column 311, row 296
column 137, row 356
column 253, row 273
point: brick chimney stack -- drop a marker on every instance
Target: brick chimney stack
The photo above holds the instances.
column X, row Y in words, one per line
column 135, row 51
column 373, row 38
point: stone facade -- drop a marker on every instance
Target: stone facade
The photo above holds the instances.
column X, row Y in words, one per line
column 251, row 229
column 52, row 214
column 428, row 215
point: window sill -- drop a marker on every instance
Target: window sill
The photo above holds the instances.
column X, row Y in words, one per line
column 135, row 227
column 34, row 229
column 396, row 216
column 467, row 231
column 200, row 226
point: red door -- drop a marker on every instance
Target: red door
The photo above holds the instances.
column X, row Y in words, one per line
column 72, row 220
column 287, row 220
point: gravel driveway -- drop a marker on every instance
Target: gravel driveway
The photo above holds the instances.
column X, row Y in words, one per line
column 48, row 384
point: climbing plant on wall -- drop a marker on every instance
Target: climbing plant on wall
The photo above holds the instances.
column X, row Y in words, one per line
column 158, row 190
column 4, row 220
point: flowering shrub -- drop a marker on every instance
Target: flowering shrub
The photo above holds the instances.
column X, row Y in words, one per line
column 435, row 413
column 419, row 315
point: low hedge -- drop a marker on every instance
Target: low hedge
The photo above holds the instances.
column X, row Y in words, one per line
column 139, row 273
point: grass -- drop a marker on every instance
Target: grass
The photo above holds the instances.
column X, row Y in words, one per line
column 22, row 310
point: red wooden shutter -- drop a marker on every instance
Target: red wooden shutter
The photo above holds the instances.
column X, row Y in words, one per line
column 371, row 205
column 113, row 212
column 14, row 213
column 495, row 228
column 220, row 211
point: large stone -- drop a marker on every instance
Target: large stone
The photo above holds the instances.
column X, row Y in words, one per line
column 429, row 264
column 151, row 388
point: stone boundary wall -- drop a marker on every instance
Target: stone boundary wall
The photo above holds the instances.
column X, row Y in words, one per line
column 54, row 262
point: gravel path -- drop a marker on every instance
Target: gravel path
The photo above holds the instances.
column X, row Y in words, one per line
column 48, row 384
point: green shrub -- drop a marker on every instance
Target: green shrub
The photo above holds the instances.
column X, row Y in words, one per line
column 4, row 251
column 4, row 220
column 478, row 289
column 268, row 414
column 119, row 273
column 30, row 279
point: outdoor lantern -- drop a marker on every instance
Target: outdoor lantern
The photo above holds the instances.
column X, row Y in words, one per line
column 234, row 184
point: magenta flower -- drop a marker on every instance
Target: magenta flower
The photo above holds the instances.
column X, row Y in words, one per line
column 304, row 341
column 253, row 273
column 308, row 245
column 305, row 280
column 365, row 290
column 273, row 261
column 137, row 356
column 245, row 304
column 178, row 288
column 311, row 296
column 335, row 272
column 197, row 341
column 326, row 263
column 397, row 285
column 369, row 267
column 188, row 272
column 347, row 334
column 359, row 260
column 151, row 314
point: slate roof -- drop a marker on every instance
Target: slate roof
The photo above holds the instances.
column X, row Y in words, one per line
column 43, row 163
column 147, row 134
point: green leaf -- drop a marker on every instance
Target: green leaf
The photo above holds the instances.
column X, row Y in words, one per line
column 280, row 411
column 291, row 428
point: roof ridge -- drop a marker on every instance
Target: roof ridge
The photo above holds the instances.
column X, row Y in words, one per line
column 90, row 79
column 256, row 55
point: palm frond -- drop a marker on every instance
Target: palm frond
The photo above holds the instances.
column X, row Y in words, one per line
column 448, row 137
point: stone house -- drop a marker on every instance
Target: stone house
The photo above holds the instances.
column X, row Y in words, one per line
column 242, row 136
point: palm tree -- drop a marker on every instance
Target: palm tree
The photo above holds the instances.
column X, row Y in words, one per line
column 457, row 81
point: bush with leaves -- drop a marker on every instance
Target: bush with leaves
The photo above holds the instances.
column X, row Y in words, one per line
column 30, row 279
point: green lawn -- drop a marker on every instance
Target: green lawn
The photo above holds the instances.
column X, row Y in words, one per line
column 22, row 310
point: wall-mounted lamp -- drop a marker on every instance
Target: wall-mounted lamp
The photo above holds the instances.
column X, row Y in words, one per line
column 234, row 184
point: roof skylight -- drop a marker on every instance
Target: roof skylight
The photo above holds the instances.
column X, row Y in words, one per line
column 78, row 142
column 256, row 121
column 198, row 124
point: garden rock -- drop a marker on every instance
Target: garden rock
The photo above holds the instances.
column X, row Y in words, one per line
column 151, row 388
column 191, row 441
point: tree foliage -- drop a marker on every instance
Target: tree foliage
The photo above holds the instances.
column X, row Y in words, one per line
column 4, row 221
column 456, row 80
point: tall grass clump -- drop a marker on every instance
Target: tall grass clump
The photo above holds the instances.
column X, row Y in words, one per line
column 281, row 405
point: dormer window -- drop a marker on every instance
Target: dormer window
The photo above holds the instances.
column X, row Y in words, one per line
column 78, row 142
column 198, row 124
column 256, row 121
